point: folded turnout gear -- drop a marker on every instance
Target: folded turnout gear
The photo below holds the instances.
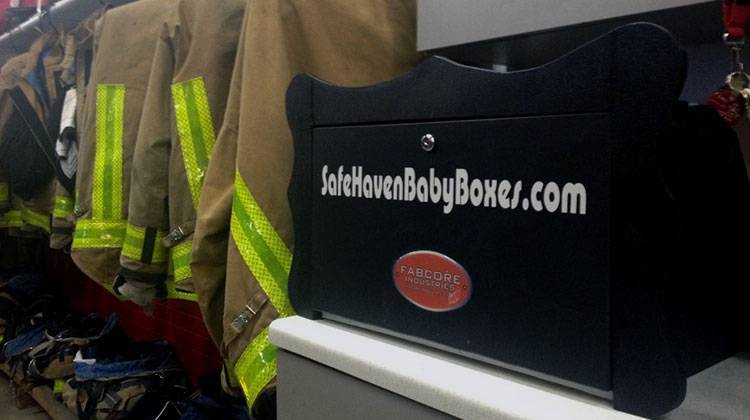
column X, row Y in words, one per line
column 53, row 357
column 24, row 300
column 113, row 385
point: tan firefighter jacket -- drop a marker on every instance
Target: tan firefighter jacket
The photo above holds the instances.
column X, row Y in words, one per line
column 4, row 190
column 28, row 91
column 6, row 108
column 124, row 45
column 243, row 207
column 74, row 72
column 185, row 101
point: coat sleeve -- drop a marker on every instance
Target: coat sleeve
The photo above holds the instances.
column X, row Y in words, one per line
column 211, row 235
column 5, row 112
column 62, row 218
column 4, row 192
column 144, row 259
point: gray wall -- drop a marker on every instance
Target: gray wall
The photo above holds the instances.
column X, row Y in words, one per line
column 445, row 23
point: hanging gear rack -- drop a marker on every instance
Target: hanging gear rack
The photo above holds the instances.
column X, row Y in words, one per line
column 63, row 15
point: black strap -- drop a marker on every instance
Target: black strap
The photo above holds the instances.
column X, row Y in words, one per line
column 56, row 105
column 106, row 393
column 40, row 134
column 62, row 230
column 88, row 58
column 149, row 241
column 94, row 391
column 69, row 133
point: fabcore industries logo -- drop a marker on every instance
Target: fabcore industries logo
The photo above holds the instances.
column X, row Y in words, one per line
column 458, row 190
column 432, row 281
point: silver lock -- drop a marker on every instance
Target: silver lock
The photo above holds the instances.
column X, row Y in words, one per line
column 427, row 142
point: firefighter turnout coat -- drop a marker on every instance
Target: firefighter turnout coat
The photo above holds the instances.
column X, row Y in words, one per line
column 124, row 44
column 243, row 241
column 185, row 102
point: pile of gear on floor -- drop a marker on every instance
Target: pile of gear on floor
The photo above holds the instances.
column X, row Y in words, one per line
column 91, row 364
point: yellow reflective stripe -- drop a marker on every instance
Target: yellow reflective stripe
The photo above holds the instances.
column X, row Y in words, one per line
column 181, row 260
column 33, row 218
column 107, row 191
column 261, row 248
column 269, row 260
column 261, row 224
column 63, row 206
column 256, row 367
column 4, row 191
column 11, row 219
column 135, row 242
column 99, row 234
column 58, row 386
column 17, row 218
column 106, row 229
column 196, row 130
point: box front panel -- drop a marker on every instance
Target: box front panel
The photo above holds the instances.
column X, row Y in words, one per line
column 490, row 237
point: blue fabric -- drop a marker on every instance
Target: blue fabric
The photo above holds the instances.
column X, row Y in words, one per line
column 24, row 342
column 28, row 284
column 109, row 325
column 151, row 358
column 10, row 273
column 37, row 79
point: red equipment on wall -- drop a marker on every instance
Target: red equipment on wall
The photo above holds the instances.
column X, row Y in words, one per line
column 177, row 321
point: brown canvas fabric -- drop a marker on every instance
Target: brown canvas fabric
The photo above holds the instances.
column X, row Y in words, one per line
column 185, row 100
column 214, row 210
column 350, row 43
column 34, row 214
column 61, row 233
column 84, row 36
column 6, row 108
column 4, row 192
column 21, row 65
column 63, row 219
column 124, row 44
column 73, row 71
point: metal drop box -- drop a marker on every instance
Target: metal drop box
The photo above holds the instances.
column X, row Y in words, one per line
column 538, row 194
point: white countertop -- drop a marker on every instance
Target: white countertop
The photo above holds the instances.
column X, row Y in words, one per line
column 468, row 389
column 448, row 383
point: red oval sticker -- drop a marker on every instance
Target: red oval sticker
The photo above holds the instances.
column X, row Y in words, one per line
column 432, row 281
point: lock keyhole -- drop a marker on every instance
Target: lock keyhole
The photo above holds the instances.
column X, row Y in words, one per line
column 427, row 142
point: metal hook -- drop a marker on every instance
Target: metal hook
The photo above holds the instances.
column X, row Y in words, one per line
column 48, row 15
column 737, row 59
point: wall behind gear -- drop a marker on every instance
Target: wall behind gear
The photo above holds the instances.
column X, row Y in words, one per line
column 177, row 321
column 6, row 21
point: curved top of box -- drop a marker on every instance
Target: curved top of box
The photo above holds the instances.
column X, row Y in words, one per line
column 639, row 54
